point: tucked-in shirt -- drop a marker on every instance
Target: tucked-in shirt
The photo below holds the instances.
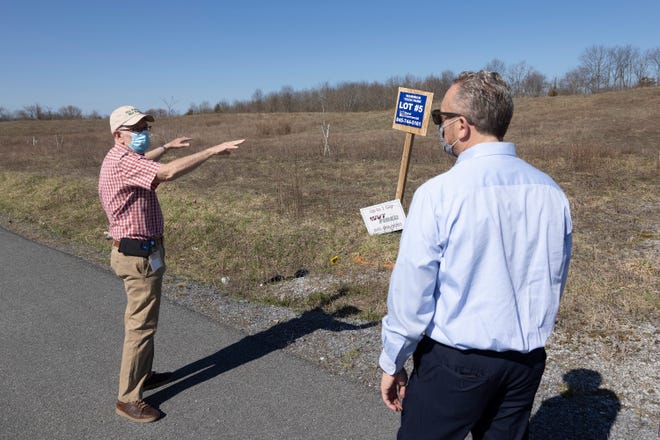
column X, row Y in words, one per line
column 482, row 261
column 127, row 189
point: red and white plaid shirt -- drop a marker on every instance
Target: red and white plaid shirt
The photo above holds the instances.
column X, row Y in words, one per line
column 127, row 189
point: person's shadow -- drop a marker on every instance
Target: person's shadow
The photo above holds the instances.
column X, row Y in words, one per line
column 584, row 411
column 255, row 346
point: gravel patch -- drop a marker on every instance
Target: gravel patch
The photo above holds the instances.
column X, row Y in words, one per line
column 594, row 387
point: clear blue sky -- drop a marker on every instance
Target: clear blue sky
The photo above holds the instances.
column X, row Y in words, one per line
column 99, row 55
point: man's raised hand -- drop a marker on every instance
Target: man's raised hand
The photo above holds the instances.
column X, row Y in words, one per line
column 226, row 147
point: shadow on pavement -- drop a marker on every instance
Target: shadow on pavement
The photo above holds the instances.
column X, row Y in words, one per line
column 583, row 411
column 255, row 346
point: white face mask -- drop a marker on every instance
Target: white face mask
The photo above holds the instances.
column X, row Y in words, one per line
column 447, row 148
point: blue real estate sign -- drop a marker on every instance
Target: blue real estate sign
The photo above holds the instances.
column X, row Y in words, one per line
column 413, row 108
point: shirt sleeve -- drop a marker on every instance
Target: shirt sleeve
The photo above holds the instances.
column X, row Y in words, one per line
column 411, row 299
column 138, row 171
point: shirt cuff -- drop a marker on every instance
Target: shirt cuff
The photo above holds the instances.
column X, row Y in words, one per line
column 386, row 364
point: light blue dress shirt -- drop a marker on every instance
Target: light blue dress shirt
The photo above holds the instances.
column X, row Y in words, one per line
column 483, row 258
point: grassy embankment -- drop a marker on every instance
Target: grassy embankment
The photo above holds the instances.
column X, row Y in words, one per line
column 278, row 204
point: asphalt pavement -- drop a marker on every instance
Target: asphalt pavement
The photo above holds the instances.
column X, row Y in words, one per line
column 61, row 330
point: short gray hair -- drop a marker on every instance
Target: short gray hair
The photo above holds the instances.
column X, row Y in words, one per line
column 486, row 101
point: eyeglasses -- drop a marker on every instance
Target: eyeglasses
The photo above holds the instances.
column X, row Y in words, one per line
column 135, row 128
column 440, row 117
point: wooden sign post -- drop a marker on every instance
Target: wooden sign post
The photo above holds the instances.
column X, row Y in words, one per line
column 405, row 162
column 413, row 109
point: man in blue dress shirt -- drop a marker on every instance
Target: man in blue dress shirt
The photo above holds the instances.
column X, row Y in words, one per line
column 482, row 265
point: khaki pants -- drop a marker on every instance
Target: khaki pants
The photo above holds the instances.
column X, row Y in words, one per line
column 143, row 290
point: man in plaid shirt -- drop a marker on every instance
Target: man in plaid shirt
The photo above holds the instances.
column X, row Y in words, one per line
column 129, row 176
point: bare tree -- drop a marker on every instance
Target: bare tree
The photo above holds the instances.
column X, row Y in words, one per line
column 347, row 97
column 170, row 105
column 158, row 112
column 439, row 85
column 196, row 109
column 515, row 76
column 653, row 58
column 70, row 112
column 534, row 83
column 596, row 63
column 496, row 65
column 325, row 132
column 272, row 103
column 5, row 115
column 258, row 101
column 640, row 71
column 35, row 111
column 623, row 61
column 287, row 99
column 575, row 81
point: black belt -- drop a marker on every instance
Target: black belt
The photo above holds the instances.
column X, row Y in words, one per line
column 536, row 355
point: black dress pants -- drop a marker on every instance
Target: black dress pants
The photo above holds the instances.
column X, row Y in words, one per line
column 452, row 392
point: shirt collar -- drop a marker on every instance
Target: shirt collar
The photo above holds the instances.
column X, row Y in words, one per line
column 487, row 149
column 125, row 148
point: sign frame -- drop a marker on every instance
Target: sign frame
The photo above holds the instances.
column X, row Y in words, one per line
column 408, row 116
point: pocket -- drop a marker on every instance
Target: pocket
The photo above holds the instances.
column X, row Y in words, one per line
column 467, row 377
column 128, row 267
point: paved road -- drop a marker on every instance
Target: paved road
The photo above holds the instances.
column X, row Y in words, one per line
column 60, row 338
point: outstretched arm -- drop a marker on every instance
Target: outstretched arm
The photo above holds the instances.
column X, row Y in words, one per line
column 157, row 153
column 179, row 167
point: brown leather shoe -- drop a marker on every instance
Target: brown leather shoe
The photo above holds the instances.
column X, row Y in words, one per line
column 156, row 380
column 138, row 411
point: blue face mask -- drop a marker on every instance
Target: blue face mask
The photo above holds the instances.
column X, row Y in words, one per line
column 140, row 142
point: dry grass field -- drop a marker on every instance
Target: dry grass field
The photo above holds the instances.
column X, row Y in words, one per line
column 279, row 204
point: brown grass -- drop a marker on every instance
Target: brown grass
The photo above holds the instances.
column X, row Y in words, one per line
column 280, row 204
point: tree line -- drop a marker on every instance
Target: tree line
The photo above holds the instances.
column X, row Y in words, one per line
column 39, row 112
column 601, row 69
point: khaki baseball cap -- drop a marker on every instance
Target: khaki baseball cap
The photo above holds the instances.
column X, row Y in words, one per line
column 127, row 115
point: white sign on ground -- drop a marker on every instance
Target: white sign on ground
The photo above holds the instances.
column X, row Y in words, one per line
column 384, row 217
